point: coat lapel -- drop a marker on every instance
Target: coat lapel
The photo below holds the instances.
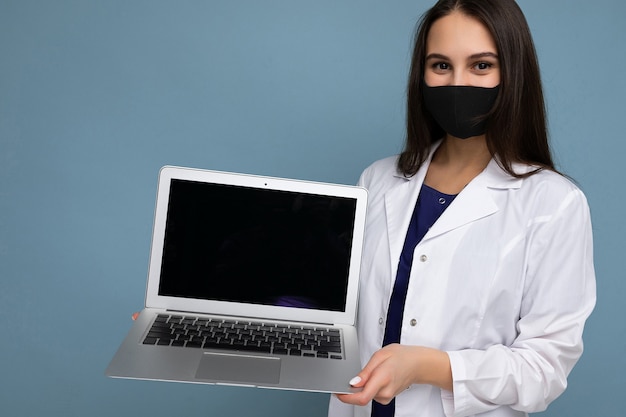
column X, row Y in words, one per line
column 399, row 204
column 475, row 201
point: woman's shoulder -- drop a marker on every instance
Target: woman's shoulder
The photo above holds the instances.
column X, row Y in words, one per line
column 547, row 188
column 551, row 181
column 388, row 164
column 382, row 170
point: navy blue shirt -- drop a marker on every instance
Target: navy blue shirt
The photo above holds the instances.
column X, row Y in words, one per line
column 430, row 205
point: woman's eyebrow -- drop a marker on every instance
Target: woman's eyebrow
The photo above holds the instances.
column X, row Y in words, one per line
column 483, row 55
column 436, row 56
column 469, row 58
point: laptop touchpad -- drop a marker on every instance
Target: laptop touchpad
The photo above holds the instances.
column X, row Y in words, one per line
column 228, row 367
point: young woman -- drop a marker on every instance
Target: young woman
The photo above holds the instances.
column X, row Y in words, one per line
column 477, row 273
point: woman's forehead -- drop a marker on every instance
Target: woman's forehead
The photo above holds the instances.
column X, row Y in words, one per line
column 458, row 34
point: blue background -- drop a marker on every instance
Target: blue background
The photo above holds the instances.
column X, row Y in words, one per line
column 96, row 96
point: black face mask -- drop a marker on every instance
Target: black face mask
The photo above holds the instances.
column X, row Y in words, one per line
column 458, row 108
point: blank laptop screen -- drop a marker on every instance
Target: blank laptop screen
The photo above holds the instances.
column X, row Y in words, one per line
column 260, row 246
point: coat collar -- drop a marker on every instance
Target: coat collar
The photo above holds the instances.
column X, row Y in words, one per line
column 493, row 176
column 473, row 203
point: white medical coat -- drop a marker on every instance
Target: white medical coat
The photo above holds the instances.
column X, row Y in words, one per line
column 503, row 282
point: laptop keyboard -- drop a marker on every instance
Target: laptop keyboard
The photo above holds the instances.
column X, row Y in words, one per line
column 211, row 333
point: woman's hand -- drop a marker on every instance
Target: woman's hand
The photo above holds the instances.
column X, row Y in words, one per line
column 395, row 368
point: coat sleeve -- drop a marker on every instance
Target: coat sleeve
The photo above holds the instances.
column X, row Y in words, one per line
column 558, row 297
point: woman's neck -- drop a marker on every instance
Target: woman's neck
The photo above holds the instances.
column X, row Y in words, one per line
column 457, row 162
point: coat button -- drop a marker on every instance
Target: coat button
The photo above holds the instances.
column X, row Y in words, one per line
column 413, row 322
column 380, row 320
column 423, row 258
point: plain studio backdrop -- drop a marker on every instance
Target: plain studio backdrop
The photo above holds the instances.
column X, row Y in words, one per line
column 95, row 96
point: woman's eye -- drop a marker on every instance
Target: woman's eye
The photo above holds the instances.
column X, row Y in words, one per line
column 441, row 66
column 483, row 66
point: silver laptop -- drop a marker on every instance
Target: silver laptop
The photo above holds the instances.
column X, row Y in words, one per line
column 252, row 281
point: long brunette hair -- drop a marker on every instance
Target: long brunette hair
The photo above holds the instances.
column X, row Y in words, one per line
column 516, row 126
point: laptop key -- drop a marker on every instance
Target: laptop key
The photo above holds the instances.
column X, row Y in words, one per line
column 175, row 319
column 213, row 344
column 333, row 349
column 254, row 348
column 149, row 340
column 159, row 333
